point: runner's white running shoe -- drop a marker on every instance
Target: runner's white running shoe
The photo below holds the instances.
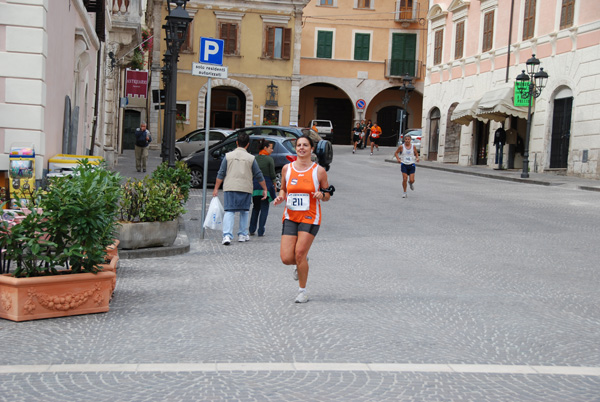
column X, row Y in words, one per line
column 302, row 297
column 404, row 195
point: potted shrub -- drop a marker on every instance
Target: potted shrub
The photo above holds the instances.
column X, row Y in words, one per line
column 150, row 208
column 58, row 248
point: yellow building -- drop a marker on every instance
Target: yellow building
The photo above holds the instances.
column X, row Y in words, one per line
column 359, row 50
column 261, row 52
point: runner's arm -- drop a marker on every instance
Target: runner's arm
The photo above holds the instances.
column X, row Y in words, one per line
column 283, row 192
column 397, row 152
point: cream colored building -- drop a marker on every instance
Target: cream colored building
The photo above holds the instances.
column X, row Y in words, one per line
column 476, row 49
column 262, row 42
column 356, row 52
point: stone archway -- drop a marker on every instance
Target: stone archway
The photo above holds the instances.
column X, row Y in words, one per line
column 229, row 83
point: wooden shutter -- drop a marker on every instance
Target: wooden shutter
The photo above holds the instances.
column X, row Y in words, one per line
column 529, row 19
column 270, row 42
column 459, row 43
column 324, row 44
column 566, row 13
column 488, row 31
column 228, row 33
column 361, row 46
column 437, row 47
column 286, row 52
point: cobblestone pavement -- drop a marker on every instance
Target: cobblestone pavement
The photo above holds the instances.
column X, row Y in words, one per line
column 470, row 289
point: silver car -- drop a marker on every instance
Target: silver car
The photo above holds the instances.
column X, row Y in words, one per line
column 194, row 141
column 415, row 134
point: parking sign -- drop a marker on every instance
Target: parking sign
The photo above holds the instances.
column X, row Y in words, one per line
column 211, row 51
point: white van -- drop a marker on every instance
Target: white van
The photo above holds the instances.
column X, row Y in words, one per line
column 324, row 128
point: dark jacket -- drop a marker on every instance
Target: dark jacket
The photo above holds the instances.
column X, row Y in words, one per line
column 140, row 138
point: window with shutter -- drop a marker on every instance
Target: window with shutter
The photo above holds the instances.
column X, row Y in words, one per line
column 228, row 33
column 278, row 43
column 188, row 43
column 364, row 4
column 529, row 19
column 488, row 31
column 566, row 14
column 362, row 46
column 460, row 40
column 437, row 47
column 324, row 44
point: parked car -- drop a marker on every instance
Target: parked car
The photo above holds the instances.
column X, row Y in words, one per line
column 194, row 141
column 415, row 134
column 284, row 152
column 323, row 148
column 324, row 128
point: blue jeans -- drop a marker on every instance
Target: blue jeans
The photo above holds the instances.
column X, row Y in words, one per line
column 228, row 220
column 260, row 207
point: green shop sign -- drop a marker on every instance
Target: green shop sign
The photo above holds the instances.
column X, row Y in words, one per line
column 519, row 99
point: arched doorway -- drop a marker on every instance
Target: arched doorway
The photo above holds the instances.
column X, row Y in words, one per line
column 388, row 119
column 561, row 129
column 452, row 138
column 131, row 121
column 227, row 108
column 434, row 133
column 327, row 102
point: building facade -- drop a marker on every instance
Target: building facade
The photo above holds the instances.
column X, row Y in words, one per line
column 261, row 53
column 476, row 49
column 354, row 56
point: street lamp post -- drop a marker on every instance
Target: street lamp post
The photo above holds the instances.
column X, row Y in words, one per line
column 408, row 88
column 532, row 84
column 176, row 27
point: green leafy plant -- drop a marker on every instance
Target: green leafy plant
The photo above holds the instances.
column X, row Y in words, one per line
column 150, row 200
column 74, row 224
column 180, row 176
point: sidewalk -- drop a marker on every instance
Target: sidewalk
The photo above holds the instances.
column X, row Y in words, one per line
column 544, row 179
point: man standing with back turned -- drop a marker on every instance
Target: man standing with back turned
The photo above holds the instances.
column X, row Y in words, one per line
column 237, row 170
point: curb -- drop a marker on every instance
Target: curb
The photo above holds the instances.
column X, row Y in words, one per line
column 181, row 245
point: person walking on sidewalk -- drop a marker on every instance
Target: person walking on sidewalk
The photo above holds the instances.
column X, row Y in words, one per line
column 407, row 154
column 304, row 185
column 237, row 170
column 375, row 134
column 260, row 206
column 142, row 140
column 357, row 131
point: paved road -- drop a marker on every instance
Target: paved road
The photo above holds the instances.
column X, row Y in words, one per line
column 470, row 289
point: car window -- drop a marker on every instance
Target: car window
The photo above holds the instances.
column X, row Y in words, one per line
column 216, row 136
column 269, row 131
column 290, row 145
column 290, row 134
column 224, row 148
column 253, row 147
column 197, row 137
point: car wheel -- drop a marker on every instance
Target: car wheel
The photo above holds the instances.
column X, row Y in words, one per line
column 177, row 155
column 196, row 174
column 277, row 181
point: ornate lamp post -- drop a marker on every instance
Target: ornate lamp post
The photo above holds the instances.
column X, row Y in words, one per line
column 176, row 27
column 408, row 88
column 531, row 85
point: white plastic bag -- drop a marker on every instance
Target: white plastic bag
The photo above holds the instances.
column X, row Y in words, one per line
column 214, row 216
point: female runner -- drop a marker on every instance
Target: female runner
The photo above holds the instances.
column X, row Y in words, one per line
column 301, row 187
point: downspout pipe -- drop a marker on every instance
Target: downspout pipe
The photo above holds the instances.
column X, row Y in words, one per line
column 95, row 125
column 512, row 9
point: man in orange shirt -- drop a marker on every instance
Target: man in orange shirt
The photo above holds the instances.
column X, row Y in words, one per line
column 375, row 134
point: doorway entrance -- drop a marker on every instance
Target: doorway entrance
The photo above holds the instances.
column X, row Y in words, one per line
column 482, row 137
column 131, row 121
column 561, row 133
column 387, row 119
column 434, row 134
column 227, row 108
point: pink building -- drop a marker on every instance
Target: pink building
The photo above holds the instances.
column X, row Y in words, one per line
column 477, row 48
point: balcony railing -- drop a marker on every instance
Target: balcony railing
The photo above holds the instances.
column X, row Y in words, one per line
column 407, row 10
column 127, row 12
column 398, row 68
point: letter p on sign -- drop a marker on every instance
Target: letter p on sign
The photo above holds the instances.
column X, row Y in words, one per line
column 211, row 51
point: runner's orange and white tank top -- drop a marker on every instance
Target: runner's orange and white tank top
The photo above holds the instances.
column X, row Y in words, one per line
column 301, row 206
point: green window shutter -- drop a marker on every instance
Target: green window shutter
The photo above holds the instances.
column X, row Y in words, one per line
column 324, row 44
column 404, row 54
column 361, row 46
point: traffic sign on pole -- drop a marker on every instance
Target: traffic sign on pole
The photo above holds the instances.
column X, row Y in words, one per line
column 211, row 51
column 361, row 104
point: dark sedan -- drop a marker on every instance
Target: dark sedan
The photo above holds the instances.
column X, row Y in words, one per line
column 284, row 152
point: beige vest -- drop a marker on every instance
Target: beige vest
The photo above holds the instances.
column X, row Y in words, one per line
column 239, row 171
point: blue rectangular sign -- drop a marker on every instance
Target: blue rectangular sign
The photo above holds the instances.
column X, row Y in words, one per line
column 211, row 51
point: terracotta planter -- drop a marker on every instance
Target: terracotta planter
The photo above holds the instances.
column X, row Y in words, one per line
column 134, row 235
column 112, row 250
column 111, row 267
column 23, row 299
